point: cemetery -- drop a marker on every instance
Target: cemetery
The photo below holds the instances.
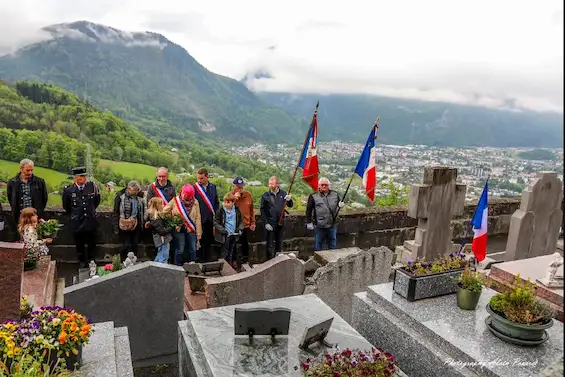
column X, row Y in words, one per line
column 401, row 296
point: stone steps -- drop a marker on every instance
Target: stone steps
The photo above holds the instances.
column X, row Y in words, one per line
column 107, row 354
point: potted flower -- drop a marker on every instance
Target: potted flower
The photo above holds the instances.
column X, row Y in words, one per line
column 171, row 221
column 517, row 316
column 48, row 229
column 31, row 257
column 469, row 288
column 419, row 279
column 375, row 363
column 113, row 266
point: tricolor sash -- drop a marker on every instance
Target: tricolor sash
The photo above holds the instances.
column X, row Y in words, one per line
column 184, row 214
column 204, row 196
column 159, row 193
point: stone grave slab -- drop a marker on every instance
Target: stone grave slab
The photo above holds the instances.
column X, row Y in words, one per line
column 346, row 271
column 11, row 269
column 282, row 276
column 433, row 203
column 534, row 228
column 534, row 269
column 208, row 346
column 197, row 300
column 40, row 284
column 148, row 298
column 433, row 337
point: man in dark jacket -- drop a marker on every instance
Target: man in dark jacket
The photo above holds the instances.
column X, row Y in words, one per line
column 80, row 200
column 321, row 215
column 162, row 187
column 27, row 190
column 207, row 196
column 272, row 203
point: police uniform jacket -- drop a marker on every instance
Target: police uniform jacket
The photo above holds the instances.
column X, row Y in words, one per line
column 81, row 205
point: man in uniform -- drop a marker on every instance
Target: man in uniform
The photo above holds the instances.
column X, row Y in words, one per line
column 80, row 200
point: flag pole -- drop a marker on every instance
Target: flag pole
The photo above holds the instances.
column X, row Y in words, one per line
column 298, row 163
column 353, row 175
column 464, row 240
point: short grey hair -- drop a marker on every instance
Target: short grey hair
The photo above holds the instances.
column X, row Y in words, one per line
column 26, row 161
column 275, row 178
column 323, row 180
column 134, row 185
column 163, row 168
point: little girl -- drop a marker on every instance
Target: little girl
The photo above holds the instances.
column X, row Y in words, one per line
column 161, row 234
column 28, row 230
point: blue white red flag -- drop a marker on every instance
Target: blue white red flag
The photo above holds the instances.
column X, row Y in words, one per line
column 367, row 165
column 480, row 222
column 309, row 158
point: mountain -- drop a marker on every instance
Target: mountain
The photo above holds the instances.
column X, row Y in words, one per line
column 349, row 117
column 149, row 80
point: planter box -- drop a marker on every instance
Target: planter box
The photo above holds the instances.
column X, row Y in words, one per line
column 414, row 288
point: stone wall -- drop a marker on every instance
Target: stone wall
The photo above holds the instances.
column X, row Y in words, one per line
column 384, row 226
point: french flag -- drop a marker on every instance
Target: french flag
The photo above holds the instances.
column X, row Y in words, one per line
column 367, row 165
column 309, row 158
column 480, row 222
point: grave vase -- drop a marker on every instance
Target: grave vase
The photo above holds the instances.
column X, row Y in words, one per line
column 466, row 299
column 517, row 333
column 30, row 264
column 72, row 362
column 413, row 287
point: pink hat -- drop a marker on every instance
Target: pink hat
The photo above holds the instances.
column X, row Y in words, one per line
column 187, row 192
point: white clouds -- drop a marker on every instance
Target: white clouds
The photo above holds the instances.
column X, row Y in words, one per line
column 477, row 52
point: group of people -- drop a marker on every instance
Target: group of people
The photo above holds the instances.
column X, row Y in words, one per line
column 204, row 219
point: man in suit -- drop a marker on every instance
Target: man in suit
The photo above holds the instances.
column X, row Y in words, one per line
column 80, row 200
column 272, row 203
column 207, row 195
column 26, row 190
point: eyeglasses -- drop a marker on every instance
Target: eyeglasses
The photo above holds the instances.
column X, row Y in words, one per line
column 324, row 184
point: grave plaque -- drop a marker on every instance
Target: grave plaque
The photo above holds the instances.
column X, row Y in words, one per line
column 11, row 269
column 261, row 321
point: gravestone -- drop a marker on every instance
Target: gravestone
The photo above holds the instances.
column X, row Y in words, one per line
column 534, row 228
column 346, row 271
column 433, row 203
column 148, row 298
column 434, row 337
column 208, row 346
column 11, row 269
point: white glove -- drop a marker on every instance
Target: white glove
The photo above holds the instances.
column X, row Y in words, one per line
column 341, row 204
column 310, row 226
column 269, row 227
column 288, row 198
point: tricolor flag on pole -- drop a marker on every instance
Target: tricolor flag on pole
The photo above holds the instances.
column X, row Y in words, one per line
column 367, row 165
column 480, row 222
column 309, row 158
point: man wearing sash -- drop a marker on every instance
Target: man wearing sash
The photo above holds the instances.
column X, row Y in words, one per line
column 185, row 206
column 162, row 187
column 207, row 197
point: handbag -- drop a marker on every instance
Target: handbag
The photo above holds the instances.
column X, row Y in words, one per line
column 128, row 224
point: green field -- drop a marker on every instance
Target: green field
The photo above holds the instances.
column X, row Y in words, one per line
column 131, row 170
column 52, row 177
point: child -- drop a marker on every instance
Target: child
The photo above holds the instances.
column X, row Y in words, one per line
column 161, row 234
column 27, row 227
column 228, row 223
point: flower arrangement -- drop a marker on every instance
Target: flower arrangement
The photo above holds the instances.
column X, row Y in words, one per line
column 473, row 281
column 51, row 334
column 171, row 221
column 26, row 308
column 48, row 229
column 446, row 263
column 32, row 255
column 520, row 305
column 31, row 366
column 108, row 268
column 350, row 363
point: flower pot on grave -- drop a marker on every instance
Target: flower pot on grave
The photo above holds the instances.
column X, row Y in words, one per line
column 72, row 362
column 517, row 333
column 30, row 264
column 414, row 287
column 466, row 299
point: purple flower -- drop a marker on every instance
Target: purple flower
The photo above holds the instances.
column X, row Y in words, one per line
column 409, row 262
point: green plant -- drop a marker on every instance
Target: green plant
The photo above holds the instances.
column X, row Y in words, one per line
column 31, row 365
column 49, row 228
column 116, row 262
column 171, row 221
column 26, row 308
column 446, row 263
column 376, row 363
column 472, row 280
column 519, row 304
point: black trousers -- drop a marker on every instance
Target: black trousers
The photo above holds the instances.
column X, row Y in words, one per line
column 88, row 239
column 274, row 241
column 130, row 242
column 204, row 254
column 243, row 257
column 229, row 249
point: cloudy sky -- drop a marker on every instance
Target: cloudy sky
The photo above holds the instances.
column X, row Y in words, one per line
column 475, row 52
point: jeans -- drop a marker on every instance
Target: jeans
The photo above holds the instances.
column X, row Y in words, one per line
column 274, row 241
column 185, row 239
column 328, row 235
column 163, row 253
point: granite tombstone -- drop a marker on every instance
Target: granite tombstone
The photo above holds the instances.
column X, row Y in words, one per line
column 11, row 269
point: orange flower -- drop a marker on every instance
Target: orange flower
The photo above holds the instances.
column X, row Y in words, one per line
column 63, row 337
column 74, row 327
column 86, row 328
